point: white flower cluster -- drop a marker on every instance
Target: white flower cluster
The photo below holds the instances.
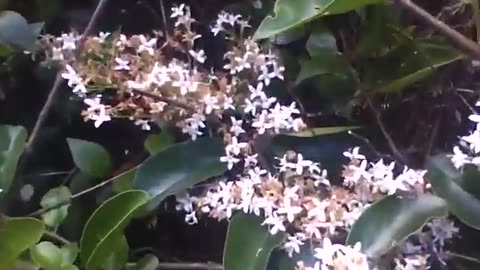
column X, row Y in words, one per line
column 378, row 177
column 470, row 153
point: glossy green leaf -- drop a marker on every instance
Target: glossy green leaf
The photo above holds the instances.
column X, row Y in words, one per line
column 407, row 65
column 321, row 41
column 392, row 219
column 179, row 167
column 248, row 244
column 106, row 224
column 148, row 262
column 289, row 14
column 16, row 236
column 91, row 158
column 69, row 267
column 322, row 64
column 158, row 142
column 12, row 144
column 116, row 253
column 46, row 255
column 124, row 181
column 54, row 197
column 461, row 191
column 37, row 28
column 15, row 31
column 311, row 132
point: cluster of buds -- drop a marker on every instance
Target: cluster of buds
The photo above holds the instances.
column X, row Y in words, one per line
column 163, row 78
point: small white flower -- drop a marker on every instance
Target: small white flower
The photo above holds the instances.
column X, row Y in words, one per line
column 121, row 64
column 277, row 72
column 143, row 123
column 147, row 45
column 264, row 76
column 192, row 130
column 354, row 155
column 276, row 223
column 256, row 91
column 69, row 41
column 102, row 36
column 442, row 230
column 217, row 28
column 289, row 210
column 177, row 11
column 199, row 56
column 236, row 127
column 211, row 104
column 292, row 245
column 230, row 160
column 459, row 158
column 57, row 54
column 235, row 147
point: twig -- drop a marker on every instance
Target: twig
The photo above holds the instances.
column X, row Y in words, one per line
column 56, row 237
column 189, row 266
column 370, row 145
column 387, row 136
column 476, row 16
column 42, row 117
column 163, row 99
column 464, row 257
column 164, row 19
column 433, row 135
column 468, row 46
column 74, row 196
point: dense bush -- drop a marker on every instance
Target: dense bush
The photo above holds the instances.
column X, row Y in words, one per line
column 289, row 134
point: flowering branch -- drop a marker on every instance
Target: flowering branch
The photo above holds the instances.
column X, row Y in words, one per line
column 58, row 80
column 163, row 99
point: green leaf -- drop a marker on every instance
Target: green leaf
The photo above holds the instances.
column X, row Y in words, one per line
column 392, row 219
column 461, row 191
column 324, row 63
column 118, row 249
column 148, row 262
column 289, row 14
column 16, row 236
column 124, row 181
column 53, row 197
column 12, row 144
column 15, row 31
column 69, row 267
column 323, row 131
column 69, row 254
column 47, row 255
column 106, row 224
column 37, row 28
column 179, row 167
column 248, row 244
column 321, row 41
column 91, row 158
column 407, row 65
column 158, row 142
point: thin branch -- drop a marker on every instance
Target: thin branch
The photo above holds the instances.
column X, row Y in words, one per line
column 189, row 266
column 476, row 16
column 164, row 19
column 42, row 117
column 56, row 237
column 387, row 136
column 163, row 99
column 466, row 45
column 42, row 211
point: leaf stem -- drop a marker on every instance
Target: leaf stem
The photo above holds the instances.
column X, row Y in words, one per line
column 56, row 237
